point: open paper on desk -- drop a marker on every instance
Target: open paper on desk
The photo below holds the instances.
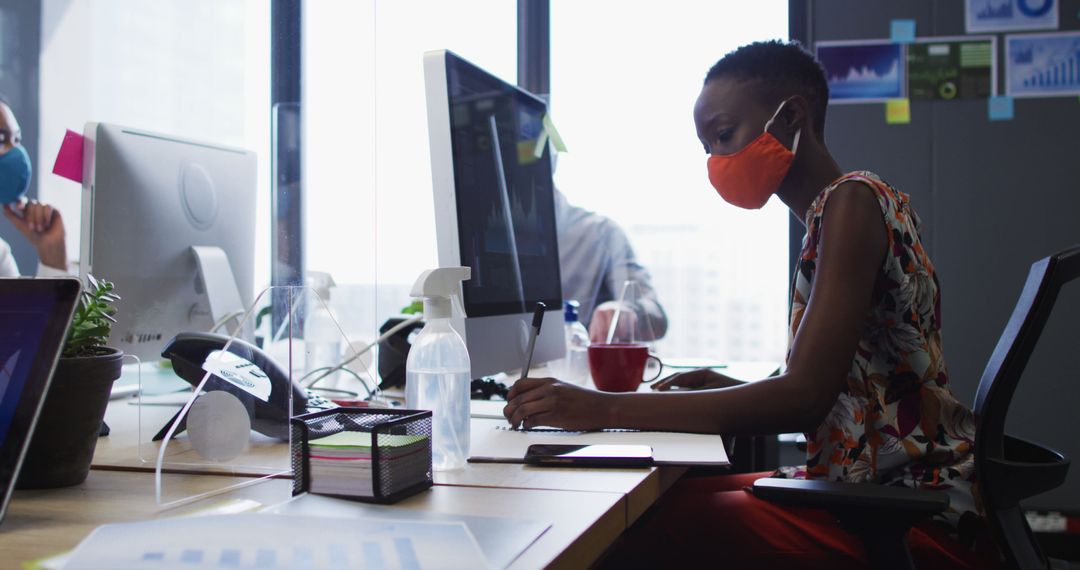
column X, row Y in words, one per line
column 502, row 539
column 493, row 441
column 278, row 541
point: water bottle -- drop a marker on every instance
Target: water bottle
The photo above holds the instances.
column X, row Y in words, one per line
column 322, row 338
column 438, row 371
column 574, row 367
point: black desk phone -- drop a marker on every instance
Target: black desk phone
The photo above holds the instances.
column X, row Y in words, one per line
column 252, row 376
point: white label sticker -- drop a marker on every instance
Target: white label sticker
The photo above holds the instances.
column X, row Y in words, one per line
column 239, row 372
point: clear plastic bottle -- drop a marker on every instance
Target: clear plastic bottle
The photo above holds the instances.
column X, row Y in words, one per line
column 574, row 367
column 437, row 378
column 437, row 371
column 322, row 339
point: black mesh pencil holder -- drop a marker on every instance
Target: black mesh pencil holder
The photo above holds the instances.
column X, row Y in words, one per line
column 395, row 472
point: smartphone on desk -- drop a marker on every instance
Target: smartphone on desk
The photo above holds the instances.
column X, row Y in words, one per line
column 604, row 455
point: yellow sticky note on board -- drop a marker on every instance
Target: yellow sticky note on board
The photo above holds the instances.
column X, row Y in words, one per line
column 553, row 133
column 898, row 111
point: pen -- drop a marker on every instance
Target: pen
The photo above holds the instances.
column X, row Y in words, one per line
column 538, row 319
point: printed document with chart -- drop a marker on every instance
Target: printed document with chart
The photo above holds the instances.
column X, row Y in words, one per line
column 278, row 542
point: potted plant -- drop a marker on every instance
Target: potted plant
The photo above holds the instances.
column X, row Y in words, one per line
column 67, row 429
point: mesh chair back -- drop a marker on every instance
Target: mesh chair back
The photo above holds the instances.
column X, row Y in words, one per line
column 1011, row 469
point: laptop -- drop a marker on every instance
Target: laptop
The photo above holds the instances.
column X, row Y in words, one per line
column 34, row 319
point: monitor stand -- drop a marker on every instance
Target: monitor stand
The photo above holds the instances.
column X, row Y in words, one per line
column 218, row 281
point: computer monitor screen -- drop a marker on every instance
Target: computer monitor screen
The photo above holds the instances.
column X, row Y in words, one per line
column 495, row 209
column 148, row 199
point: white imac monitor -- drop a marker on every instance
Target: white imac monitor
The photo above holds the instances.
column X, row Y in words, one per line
column 494, row 211
column 172, row 223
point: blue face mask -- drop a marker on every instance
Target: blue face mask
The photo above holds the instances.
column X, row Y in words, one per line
column 15, row 172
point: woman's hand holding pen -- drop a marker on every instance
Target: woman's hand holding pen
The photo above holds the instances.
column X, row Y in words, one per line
column 548, row 402
column 701, row 379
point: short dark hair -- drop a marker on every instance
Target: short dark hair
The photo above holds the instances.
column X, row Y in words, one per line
column 783, row 69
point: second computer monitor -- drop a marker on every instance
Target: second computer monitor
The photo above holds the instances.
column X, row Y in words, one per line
column 148, row 200
column 494, row 210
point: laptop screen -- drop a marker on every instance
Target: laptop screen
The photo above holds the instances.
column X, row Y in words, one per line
column 25, row 320
column 34, row 318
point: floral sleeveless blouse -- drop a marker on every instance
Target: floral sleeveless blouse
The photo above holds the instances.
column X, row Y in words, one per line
column 897, row 422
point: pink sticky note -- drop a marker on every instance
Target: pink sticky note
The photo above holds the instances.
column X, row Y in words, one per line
column 69, row 160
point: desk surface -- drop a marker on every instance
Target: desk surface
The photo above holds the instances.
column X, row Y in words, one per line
column 587, row 508
column 131, row 424
column 641, row 487
column 43, row 523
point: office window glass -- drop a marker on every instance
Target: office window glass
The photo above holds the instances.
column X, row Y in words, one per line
column 624, row 78
column 197, row 69
column 483, row 32
column 368, row 207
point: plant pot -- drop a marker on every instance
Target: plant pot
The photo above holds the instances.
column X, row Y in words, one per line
column 67, row 430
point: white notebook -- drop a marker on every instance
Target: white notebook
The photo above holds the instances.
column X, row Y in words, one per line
column 493, row 441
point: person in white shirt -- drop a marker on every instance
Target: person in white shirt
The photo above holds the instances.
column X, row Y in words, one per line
column 596, row 259
column 39, row 223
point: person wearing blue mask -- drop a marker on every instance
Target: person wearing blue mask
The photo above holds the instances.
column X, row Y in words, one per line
column 39, row 223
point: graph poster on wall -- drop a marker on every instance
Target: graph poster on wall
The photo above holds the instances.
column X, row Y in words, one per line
column 946, row 68
column 864, row 71
column 1010, row 15
column 1042, row 65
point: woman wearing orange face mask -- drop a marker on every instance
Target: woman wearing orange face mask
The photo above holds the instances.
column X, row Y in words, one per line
column 39, row 223
column 865, row 379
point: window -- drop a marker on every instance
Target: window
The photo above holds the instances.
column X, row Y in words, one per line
column 624, row 78
column 369, row 216
column 196, row 69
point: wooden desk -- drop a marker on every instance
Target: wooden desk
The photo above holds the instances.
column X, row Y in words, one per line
column 129, row 446
column 640, row 488
column 121, row 451
column 588, row 509
column 632, row 490
column 43, row 523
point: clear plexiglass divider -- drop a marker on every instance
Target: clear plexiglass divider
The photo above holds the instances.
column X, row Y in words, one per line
column 286, row 355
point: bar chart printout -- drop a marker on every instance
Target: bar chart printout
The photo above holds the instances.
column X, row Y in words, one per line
column 1043, row 65
column 271, row 542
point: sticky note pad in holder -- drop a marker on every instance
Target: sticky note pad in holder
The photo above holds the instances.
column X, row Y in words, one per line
column 373, row 455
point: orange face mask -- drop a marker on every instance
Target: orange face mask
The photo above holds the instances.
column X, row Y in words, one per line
column 750, row 176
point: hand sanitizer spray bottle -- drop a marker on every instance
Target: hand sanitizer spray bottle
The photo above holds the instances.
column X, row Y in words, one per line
column 437, row 372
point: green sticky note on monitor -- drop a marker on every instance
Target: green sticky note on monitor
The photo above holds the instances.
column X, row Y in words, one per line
column 553, row 133
column 541, row 144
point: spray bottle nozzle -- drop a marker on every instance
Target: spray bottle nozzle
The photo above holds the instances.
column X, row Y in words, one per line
column 437, row 286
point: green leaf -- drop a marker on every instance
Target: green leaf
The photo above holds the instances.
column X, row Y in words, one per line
column 93, row 319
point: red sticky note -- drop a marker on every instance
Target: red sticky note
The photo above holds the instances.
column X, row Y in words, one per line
column 69, row 160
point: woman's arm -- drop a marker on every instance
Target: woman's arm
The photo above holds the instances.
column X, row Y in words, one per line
column 43, row 227
column 852, row 248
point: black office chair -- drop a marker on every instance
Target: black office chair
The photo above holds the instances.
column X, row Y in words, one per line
column 1009, row 469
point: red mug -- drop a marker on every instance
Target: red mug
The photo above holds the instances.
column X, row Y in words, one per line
column 619, row 367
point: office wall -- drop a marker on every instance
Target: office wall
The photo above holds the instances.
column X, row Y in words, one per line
column 20, row 38
column 993, row 197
